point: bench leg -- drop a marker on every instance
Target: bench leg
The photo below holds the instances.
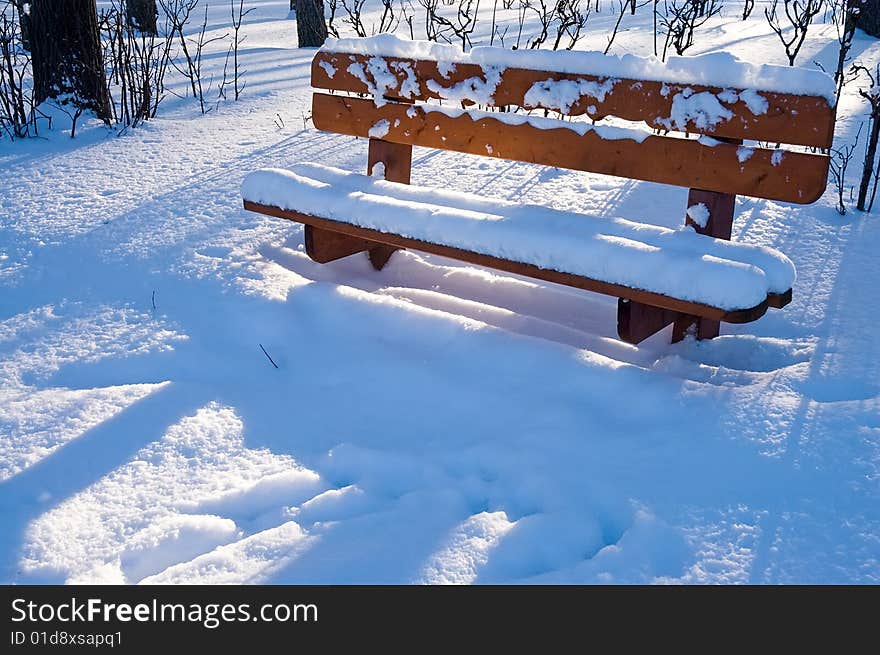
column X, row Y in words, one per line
column 706, row 328
column 637, row 321
column 324, row 246
column 380, row 255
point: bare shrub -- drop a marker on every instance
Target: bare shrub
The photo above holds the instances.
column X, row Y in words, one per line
column 137, row 62
column 561, row 20
column 838, row 165
column 845, row 16
column 238, row 14
column 459, row 29
column 572, row 20
column 388, row 21
column 331, row 28
column 178, row 13
column 622, row 6
column 408, row 11
column 682, row 18
column 353, row 15
column 18, row 114
column 870, row 166
column 799, row 15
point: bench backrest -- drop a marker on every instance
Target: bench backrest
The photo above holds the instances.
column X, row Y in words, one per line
column 723, row 100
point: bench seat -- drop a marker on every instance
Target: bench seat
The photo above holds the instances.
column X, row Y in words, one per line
column 678, row 270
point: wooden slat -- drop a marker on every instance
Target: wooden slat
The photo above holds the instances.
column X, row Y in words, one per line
column 519, row 268
column 793, row 119
column 797, row 177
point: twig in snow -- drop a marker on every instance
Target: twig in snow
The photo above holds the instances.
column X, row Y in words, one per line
column 268, row 356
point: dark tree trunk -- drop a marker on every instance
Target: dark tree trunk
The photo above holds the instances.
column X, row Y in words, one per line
column 22, row 7
column 870, row 157
column 869, row 16
column 311, row 30
column 66, row 55
column 142, row 15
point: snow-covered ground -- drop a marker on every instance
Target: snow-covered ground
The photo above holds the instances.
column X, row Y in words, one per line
column 430, row 423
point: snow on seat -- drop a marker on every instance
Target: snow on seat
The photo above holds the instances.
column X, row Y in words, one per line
column 678, row 264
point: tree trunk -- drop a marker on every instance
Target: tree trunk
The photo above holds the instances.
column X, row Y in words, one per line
column 66, row 56
column 311, row 30
column 870, row 156
column 869, row 17
column 22, row 7
column 142, row 15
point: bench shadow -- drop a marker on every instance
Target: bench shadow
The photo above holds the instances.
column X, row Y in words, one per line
column 842, row 368
column 524, row 306
column 82, row 461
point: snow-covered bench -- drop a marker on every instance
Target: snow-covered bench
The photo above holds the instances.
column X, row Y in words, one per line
column 660, row 276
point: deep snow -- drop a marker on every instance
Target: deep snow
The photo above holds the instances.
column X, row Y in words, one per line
column 430, row 423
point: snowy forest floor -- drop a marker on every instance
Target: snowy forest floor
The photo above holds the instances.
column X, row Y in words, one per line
column 433, row 422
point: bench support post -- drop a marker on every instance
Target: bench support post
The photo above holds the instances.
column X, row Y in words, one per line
column 720, row 225
column 636, row 322
column 324, row 246
column 397, row 160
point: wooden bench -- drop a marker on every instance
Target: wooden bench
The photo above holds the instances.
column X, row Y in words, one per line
column 386, row 90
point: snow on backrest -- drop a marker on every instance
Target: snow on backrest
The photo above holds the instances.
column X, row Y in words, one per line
column 435, row 96
column 716, row 95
